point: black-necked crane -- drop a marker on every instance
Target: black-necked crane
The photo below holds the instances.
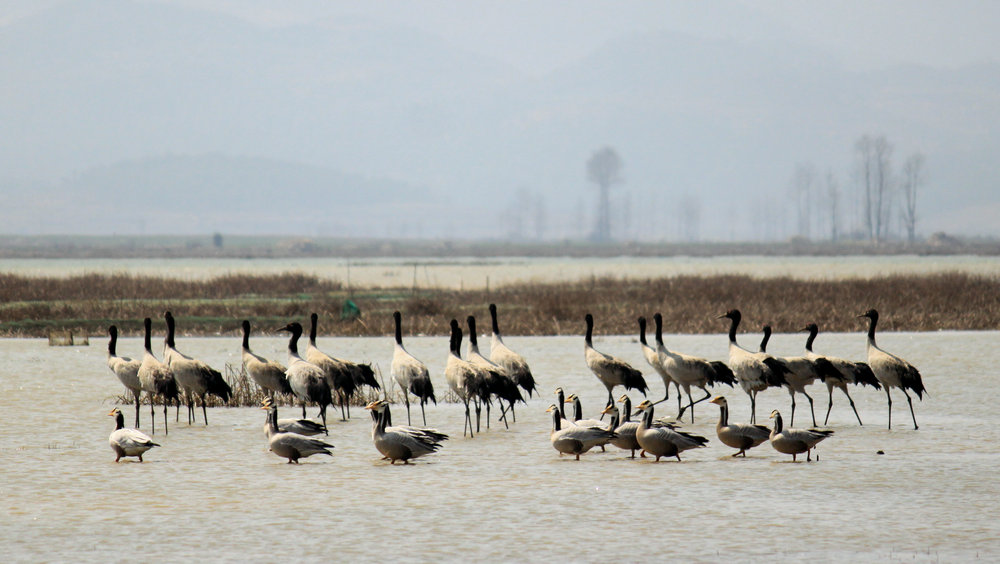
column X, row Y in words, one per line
column 653, row 359
column 891, row 370
column 742, row 436
column 307, row 381
column 194, row 377
column 462, row 376
column 156, row 380
column 691, row 371
column 410, row 373
column 611, row 371
column 268, row 374
column 498, row 382
column 128, row 442
column 345, row 377
column 126, row 369
column 802, row 371
column 795, row 441
column 515, row 364
column 849, row 372
column 754, row 371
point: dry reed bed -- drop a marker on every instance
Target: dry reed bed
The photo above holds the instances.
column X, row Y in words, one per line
column 31, row 307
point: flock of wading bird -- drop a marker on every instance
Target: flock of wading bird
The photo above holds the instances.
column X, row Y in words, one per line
column 317, row 378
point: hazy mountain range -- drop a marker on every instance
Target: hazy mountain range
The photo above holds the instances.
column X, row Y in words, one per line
column 127, row 117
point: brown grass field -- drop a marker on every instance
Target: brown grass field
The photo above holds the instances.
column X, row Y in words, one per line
column 86, row 305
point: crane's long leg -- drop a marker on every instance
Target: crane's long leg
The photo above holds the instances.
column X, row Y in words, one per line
column 889, row 398
column 909, row 400
column 852, row 407
column 811, row 407
column 166, row 430
column 406, row 397
column 830, row 406
column 691, row 404
column 753, row 406
column 791, row 420
column 422, row 414
column 204, row 412
column 137, row 403
column 152, row 413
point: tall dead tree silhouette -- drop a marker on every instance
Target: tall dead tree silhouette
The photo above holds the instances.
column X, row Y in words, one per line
column 604, row 168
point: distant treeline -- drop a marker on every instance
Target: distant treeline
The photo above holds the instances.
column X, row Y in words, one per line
column 86, row 305
column 218, row 245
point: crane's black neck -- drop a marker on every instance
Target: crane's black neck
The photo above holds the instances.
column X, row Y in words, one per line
column 734, row 323
column 398, row 319
column 169, row 339
column 113, row 331
column 658, row 320
column 472, row 332
column 293, row 341
column 590, row 330
column 493, row 317
column 148, row 324
column 813, row 331
column 642, row 331
column 246, row 334
column 767, row 337
column 312, row 329
column 872, row 322
column 456, row 338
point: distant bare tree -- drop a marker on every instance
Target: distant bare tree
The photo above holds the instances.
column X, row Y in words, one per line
column 689, row 218
column 833, row 204
column 912, row 178
column 803, row 181
column 875, row 173
column 604, row 168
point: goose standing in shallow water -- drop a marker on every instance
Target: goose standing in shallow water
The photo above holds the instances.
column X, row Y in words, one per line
column 290, row 445
column 795, row 441
column 127, row 442
column 268, row 374
column 609, row 370
column 625, row 430
column 411, row 374
column 573, row 439
column 755, row 372
column 126, row 369
column 156, row 380
column 891, row 370
column 743, row 436
column 515, row 364
column 403, row 442
column 848, row 372
column 690, row 371
column 194, row 377
column 661, row 440
column 304, row 427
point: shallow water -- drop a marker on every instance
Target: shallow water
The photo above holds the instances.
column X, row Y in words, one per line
column 216, row 492
column 474, row 273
